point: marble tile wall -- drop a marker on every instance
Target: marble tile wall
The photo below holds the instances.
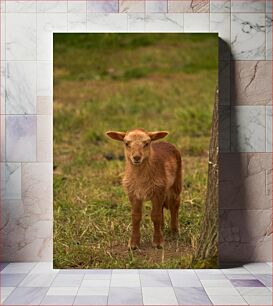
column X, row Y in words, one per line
column 245, row 78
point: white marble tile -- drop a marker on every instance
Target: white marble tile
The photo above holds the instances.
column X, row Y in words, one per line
column 102, row 6
column 20, row 36
column 38, row 280
column 136, row 22
column 248, row 129
column 258, row 299
column 125, row 280
column 20, row 138
column 254, row 291
column 3, row 6
column 47, row 24
column 153, row 6
column 258, row 268
column 58, row 6
column 226, row 290
column 100, row 22
column 3, row 36
column 248, row 36
column 77, row 22
column 96, row 283
column 131, row 6
column 220, row 6
column 2, row 88
column 268, row 128
column 65, row 280
column 269, row 6
column 5, row 292
column 20, row 88
column 268, row 23
column 198, row 22
column 3, row 138
column 227, row 300
column 220, row 23
column 159, row 296
column 44, row 78
column 44, row 268
column 248, row 6
column 37, row 189
column 44, row 105
column 12, row 181
column 89, row 291
column 21, row 6
column 44, row 138
column 216, row 283
column 171, row 22
column 238, row 271
column 62, row 291
column 77, row 6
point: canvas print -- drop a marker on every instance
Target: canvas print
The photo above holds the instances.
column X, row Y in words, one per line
column 135, row 150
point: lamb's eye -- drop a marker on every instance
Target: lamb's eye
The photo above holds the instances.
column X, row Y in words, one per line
column 146, row 145
column 127, row 144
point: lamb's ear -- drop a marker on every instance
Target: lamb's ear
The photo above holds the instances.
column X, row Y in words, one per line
column 157, row 135
column 116, row 135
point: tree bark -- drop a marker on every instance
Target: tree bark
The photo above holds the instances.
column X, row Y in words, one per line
column 207, row 246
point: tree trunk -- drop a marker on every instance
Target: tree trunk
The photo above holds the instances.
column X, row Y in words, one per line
column 207, row 243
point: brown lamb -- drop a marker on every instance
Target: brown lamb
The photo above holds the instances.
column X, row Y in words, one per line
column 153, row 172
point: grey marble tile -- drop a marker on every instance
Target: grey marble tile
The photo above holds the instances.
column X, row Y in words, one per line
column 26, row 296
column 192, row 296
column 102, row 6
column 266, row 279
column 58, row 300
column 248, row 36
column 251, row 83
column 242, row 181
column 90, row 300
column 20, row 88
column 268, row 23
column 11, row 280
column 44, row 138
column 3, row 265
column 38, row 280
column 171, row 22
column 153, row 6
column 268, row 128
column 12, row 181
column 20, row 36
column 155, row 279
column 3, row 138
column 20, row 138
column 224, row 82
column 106, row 22
column 220, row 6
column 248, row 6
column 248, row 129
column 268, row 6
column 20, row 93
column 2, row 88
column 246, row 283
column 125, row 296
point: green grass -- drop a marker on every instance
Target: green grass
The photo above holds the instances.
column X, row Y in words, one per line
column 118, row 82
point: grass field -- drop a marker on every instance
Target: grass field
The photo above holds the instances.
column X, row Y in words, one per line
column 118, row 82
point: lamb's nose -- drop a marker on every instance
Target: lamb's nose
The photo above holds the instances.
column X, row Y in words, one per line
column 137, row 158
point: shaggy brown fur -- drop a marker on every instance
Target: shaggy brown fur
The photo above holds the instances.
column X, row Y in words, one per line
column 153, row 172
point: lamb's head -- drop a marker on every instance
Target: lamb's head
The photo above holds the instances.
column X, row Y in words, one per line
column 136, row 143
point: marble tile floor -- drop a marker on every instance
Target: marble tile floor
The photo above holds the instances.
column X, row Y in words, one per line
column 39, row 284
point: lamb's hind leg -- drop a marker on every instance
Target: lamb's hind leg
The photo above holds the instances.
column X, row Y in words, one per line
column 174, row 209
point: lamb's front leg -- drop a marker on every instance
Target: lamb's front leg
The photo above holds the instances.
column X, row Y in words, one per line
column 134, row 242
column 156, row 216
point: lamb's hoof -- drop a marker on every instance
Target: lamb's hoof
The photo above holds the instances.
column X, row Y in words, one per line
column 175, row 231
column 158, row 245
column 133, row 246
